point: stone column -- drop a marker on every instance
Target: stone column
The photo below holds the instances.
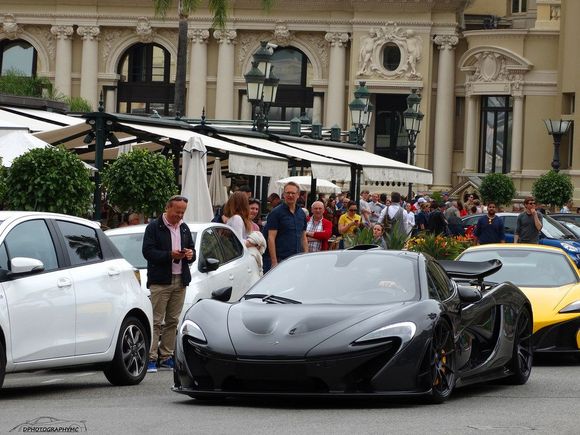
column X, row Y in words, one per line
column 470, row 144
column 445, row 111
column 517, row 134
column 196, row 96
column 63, row 64
column 89, row 65
column 224, row 104
column 335, row 100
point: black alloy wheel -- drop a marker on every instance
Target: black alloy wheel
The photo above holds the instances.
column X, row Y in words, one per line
column 523, row 355
column 442, row 362
column 129, row 366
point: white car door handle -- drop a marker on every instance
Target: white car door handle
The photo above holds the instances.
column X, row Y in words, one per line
column 231, row 277
column 63, row 282
column 114, row 272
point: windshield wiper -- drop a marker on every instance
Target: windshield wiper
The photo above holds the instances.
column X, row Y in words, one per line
column 272, row 299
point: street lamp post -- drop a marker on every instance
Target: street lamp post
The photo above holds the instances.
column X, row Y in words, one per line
column 412, row 117
column 361, row 112
column 557, row 129
column 261, row 86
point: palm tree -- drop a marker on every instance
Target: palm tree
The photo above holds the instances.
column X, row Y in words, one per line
column 219, row 9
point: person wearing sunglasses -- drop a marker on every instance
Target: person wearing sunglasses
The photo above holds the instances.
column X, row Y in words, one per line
column 529, row 223
column 349, row 221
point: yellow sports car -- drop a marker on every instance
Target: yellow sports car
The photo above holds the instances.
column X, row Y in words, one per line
column 551, row 282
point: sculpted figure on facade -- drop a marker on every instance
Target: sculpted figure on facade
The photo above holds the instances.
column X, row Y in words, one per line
column 372, row 45
column 144, row 30
column 10, row 27
column 282, row 35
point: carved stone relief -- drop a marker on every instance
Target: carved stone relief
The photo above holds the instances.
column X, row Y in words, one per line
column 12, row 30
column 47, row 39
column 198, row 36
column 62, row 32
column 282, row 35
column 225, row 36
column 144, row 30
column 371, row 52
column 89, row 33
column 494, row 71
column 337, row 39
column 110, row 38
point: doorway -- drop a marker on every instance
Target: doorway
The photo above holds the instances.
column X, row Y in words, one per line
column 390, row 135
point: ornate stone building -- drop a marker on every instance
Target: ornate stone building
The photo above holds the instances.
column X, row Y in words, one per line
column 488, row 71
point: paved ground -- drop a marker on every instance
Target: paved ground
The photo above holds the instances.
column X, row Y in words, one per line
column 548, row 404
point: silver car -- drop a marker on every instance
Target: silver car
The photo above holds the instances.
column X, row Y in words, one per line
column 222, row 260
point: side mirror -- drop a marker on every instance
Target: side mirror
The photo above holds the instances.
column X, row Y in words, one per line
column 222, row 294
column 468, row 295
column 210, row 264
column 23, row 265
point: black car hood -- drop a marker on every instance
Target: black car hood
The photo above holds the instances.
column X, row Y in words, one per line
column 262, row 330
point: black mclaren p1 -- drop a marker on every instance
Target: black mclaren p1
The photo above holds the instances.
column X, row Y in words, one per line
column 357, row 323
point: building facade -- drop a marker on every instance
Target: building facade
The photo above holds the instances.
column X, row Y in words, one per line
column 489, row 71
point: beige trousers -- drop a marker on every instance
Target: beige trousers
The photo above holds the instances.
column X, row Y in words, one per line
column 167, row 302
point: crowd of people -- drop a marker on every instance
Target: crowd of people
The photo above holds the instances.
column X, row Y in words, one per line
column 290, row 228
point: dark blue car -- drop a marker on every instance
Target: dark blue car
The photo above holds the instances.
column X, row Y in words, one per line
column 553, row 233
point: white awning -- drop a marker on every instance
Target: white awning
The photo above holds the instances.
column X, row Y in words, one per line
column 375, row 167
column 58, row 119
column 241, row 159
column 322, row 167
column 24, row 121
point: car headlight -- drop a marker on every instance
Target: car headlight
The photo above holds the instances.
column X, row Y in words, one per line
column 404, row 330
column 574, row 307
column 192, row 329
column 570, row 247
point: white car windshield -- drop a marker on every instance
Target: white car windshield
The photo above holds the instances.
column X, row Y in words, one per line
column 527, row 268
column 130, row 246
column 340, row 278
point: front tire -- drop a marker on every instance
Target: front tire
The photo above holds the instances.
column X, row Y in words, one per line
column 129, row 365
column 442, row 362
column 522, row 358
column 2, row 363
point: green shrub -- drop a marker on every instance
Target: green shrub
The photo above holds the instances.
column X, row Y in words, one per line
column 50, row 179
column 13, row 82
column 498, row 188
column 140, row 181
column 553, row 188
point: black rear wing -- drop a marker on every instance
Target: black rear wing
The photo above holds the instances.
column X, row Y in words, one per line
column 471, row 270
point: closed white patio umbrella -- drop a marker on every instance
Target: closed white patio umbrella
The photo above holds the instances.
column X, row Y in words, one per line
column 217, row 189
column 194, row 181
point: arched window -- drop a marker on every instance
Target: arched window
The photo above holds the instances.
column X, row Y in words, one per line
column 144, row 84
column 18, row 57
column 294, row 96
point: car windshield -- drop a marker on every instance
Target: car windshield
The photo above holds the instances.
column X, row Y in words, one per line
column 341, row 277
column 130, row 246
column 527, row 268
column 555, row 230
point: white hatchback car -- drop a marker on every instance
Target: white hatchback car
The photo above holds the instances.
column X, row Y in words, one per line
column 222, row 260
column 68, row 298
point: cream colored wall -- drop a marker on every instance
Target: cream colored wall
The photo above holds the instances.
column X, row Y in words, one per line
column 488, row 7
column 538, row 147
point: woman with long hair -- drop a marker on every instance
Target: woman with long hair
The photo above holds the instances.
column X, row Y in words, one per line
column 237, row 210
column 255, row 214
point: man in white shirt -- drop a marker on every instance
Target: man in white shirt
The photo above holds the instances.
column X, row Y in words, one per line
column 395, row 212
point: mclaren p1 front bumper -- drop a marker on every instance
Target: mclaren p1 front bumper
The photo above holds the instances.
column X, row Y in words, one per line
column 380, row 370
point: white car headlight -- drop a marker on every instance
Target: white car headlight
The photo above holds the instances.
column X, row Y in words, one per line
column 192, row 329
column 570, row 247
column 574, row 307
column 404, row 330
